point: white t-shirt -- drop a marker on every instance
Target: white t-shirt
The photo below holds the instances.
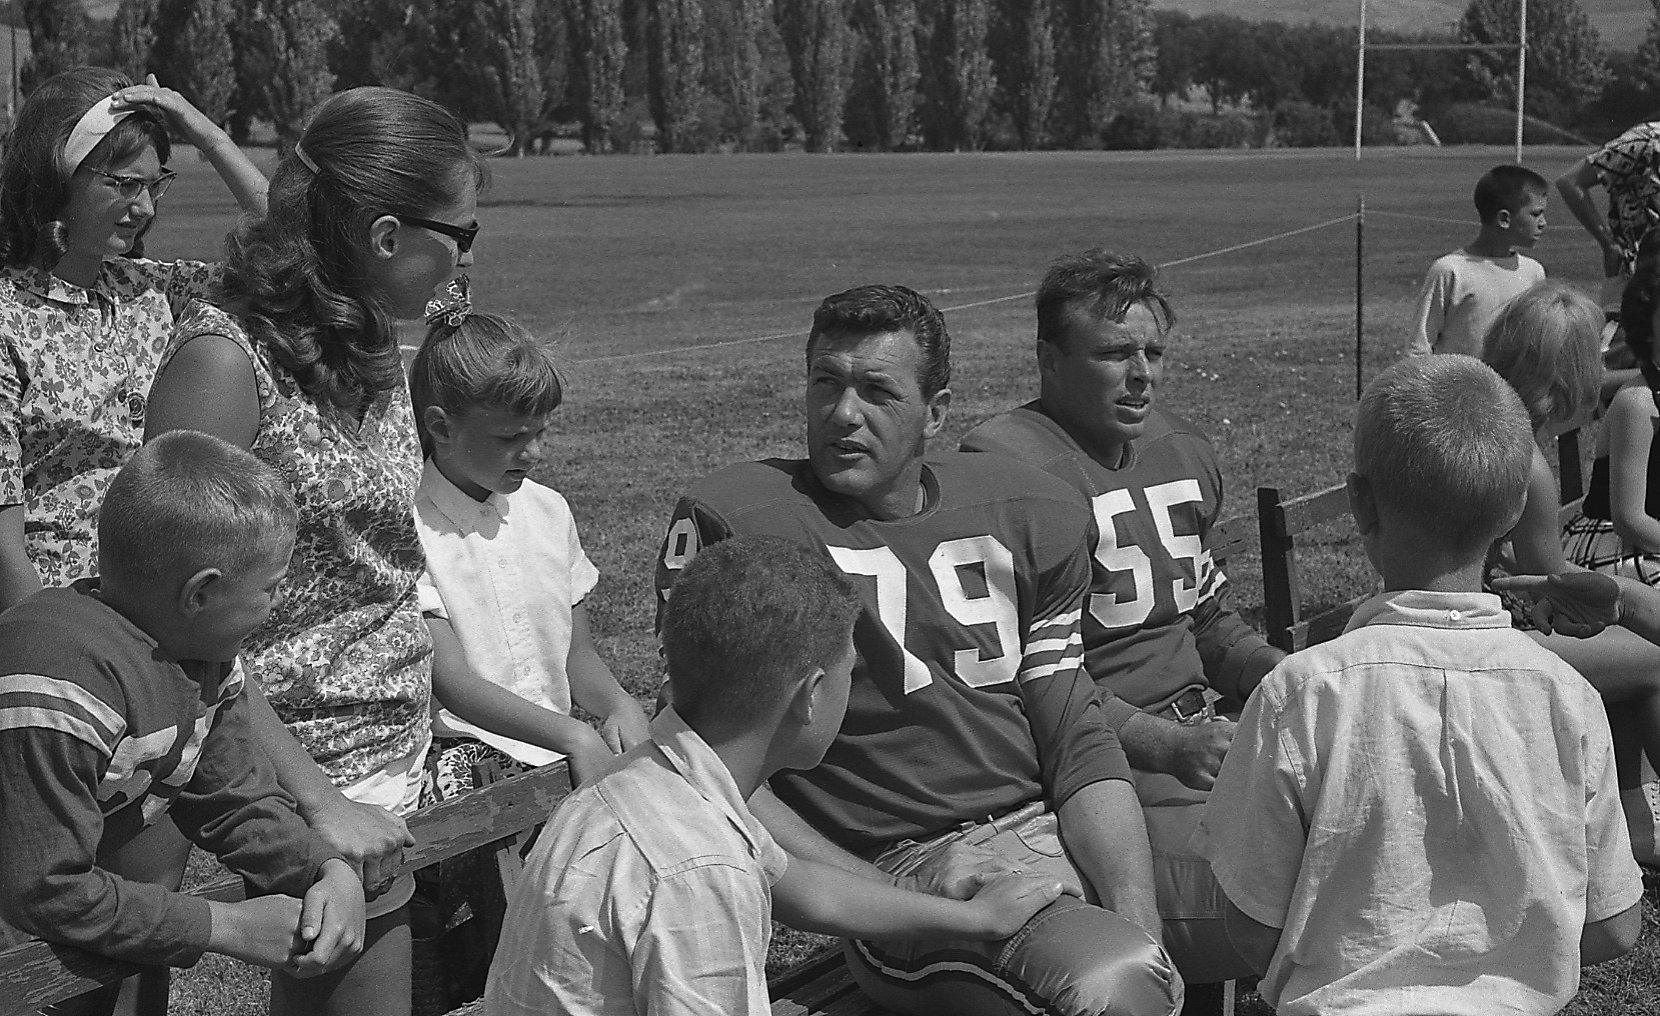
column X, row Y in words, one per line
column 1427, row 808
column 506, row 572
column 1461, row 296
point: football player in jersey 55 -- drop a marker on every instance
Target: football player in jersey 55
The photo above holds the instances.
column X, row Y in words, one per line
column 1161, row 638
column 974, row 743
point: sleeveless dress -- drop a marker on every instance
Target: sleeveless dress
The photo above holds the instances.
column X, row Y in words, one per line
column 1589, row 539
column 345, row 660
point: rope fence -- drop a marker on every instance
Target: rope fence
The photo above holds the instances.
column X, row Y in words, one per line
column 1358, row 217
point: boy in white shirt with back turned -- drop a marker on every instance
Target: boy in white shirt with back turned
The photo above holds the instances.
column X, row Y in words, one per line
column 1465, row 290
column 1420, row 817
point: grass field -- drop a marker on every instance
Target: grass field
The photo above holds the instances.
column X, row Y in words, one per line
column 637, row 267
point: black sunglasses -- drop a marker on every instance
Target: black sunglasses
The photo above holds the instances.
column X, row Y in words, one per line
column 462, row 235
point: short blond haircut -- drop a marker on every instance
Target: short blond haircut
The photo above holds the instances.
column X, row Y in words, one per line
column 1446, row 442
column 188, row 501
column 1547, row 343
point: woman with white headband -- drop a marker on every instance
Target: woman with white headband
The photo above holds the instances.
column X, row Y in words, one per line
column 373, row 214
column 83, row 316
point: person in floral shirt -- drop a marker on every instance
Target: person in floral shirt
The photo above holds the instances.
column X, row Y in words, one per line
column 84, row 318
column 83, row 315
column 373, row 213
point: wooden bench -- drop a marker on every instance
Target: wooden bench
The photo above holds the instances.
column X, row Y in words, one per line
column 1282, row 524
column 37, row 974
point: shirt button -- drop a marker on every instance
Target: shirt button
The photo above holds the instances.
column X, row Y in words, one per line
column 1455, row 615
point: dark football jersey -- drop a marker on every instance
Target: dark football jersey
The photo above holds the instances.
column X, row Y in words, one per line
column 968, row 699
column 1158, row 619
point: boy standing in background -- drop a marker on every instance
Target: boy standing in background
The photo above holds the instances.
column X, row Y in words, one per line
column 1464, row 290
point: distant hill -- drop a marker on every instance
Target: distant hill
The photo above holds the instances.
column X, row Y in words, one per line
column 1621, row 23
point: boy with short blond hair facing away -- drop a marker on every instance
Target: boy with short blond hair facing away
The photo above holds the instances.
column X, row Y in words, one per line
column 1421, row 816
column 122, row 700
column 651, row 889
column 1465, row 290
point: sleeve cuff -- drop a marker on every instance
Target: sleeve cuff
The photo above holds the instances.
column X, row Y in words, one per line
column 1117, row 712
column 426, row 594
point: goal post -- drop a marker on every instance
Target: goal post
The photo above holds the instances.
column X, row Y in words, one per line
column 1520, row 46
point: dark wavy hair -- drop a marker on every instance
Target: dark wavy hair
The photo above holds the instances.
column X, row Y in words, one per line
column 1638, row 305
column 34, row 189
column 298, row 272
column 877, row 310
column 1102, row 285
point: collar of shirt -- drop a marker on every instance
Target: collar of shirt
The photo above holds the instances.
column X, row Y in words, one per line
column 456, row 504
column 49, row 287
column 1425, row 609
column 697, row 763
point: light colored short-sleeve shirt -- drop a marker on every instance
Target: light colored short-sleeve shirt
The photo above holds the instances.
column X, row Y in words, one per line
column 506, row 572
column 649, row 891
column 1461, row 295
column 75, row 371
column 1427, row 808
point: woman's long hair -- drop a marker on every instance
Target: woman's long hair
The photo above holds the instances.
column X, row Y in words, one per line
column 34, row 189
column 297, row 273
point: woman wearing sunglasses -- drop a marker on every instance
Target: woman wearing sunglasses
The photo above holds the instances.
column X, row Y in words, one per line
column 83, row 316
column 369, row 218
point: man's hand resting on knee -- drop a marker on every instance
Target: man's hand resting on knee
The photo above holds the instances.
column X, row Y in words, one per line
column 963, row 868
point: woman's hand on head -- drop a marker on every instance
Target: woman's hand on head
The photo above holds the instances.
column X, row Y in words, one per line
column 181, row 116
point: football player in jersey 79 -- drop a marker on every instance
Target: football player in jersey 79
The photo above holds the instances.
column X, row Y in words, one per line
column 973, row 743
column 1161, row 638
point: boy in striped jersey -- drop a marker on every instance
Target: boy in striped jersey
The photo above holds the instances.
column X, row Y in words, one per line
column 121, row 700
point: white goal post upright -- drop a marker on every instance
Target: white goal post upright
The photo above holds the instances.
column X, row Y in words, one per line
column 1521, row 71
column 1520, row 46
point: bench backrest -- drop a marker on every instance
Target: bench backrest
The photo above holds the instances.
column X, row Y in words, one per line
column 1281, row 522
column 36, row 974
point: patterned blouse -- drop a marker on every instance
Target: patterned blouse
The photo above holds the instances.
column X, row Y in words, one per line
column 1629, row 167
column 345, row 658
column 75, row 367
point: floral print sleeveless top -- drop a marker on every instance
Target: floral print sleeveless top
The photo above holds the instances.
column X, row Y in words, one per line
column 75, row 369
column 345, row 659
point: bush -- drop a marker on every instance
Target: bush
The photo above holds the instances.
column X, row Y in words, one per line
column 1299, row 124
column 1142, row 125
column 1145, row 124
column 1469, row 123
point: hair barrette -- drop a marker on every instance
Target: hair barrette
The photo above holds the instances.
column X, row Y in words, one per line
column 452, row 306
column 305, row 160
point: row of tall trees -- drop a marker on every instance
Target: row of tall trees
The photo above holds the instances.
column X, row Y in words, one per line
column 869, row 74
column 881, row 74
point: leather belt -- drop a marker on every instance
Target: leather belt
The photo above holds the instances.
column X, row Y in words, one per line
column 1191, row 706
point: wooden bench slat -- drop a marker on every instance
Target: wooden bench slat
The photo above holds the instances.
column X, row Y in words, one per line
column 37, row 974
column 820, row 986
column 1324, row 626
column 1304, row 513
